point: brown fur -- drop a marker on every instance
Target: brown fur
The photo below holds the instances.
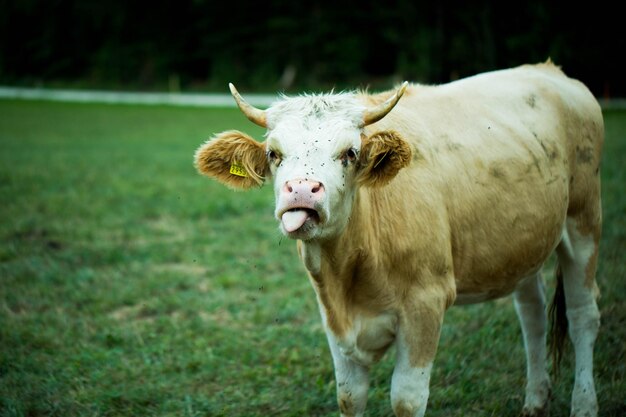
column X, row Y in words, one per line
column 380, row 266
column 215, row 157
column 382, row 155
column 501, row 180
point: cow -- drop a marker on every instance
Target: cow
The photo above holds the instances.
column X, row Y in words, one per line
column 407, row 202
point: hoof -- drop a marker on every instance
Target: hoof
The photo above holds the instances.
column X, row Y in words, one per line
column 536, row 412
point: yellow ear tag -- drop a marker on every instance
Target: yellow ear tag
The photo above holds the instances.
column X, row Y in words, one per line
column 238, row 170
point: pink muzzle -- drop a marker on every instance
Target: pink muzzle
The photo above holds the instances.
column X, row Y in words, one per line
column 300, row 200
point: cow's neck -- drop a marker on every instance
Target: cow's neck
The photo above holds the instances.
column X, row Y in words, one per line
column 340, row 269
column 332, row 251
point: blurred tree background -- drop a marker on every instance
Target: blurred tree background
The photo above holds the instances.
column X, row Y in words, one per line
column 200, row 45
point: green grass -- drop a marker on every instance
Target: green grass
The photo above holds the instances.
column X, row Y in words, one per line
column 131, row 286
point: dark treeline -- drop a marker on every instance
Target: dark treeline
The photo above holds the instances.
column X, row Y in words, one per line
column 292, row 45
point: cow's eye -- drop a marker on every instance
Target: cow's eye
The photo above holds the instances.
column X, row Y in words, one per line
column 273, row 156
column 349, row 156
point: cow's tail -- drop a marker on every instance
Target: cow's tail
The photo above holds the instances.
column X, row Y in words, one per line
column 558, row 323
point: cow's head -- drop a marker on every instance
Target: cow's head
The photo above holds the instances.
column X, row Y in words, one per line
column 317, row 153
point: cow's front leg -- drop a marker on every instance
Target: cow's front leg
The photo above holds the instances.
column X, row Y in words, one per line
column 409, row 385
column 416, row 344
column 352, row 381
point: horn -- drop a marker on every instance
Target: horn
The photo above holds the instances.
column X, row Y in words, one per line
column 376, row 113
column 255, row 115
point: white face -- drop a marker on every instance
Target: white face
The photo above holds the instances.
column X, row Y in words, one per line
column 313, row 143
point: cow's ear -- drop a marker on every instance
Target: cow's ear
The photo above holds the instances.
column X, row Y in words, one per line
column 234, row 159
column 382, row 156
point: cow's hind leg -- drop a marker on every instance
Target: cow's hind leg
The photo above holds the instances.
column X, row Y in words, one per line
column 577, row 255
column 529, row 302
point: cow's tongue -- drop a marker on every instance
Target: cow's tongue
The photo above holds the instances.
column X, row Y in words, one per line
column 294, row 219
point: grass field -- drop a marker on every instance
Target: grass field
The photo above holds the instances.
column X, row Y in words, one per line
column 131, row 286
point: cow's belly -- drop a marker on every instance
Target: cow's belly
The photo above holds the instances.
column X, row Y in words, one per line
column 368, row 338
column 497, row 251
column 472, row 298
column 506, row 288
column 489, row 265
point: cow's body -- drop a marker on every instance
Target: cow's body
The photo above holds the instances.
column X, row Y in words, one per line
column 500, row 170
column 499, row 161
